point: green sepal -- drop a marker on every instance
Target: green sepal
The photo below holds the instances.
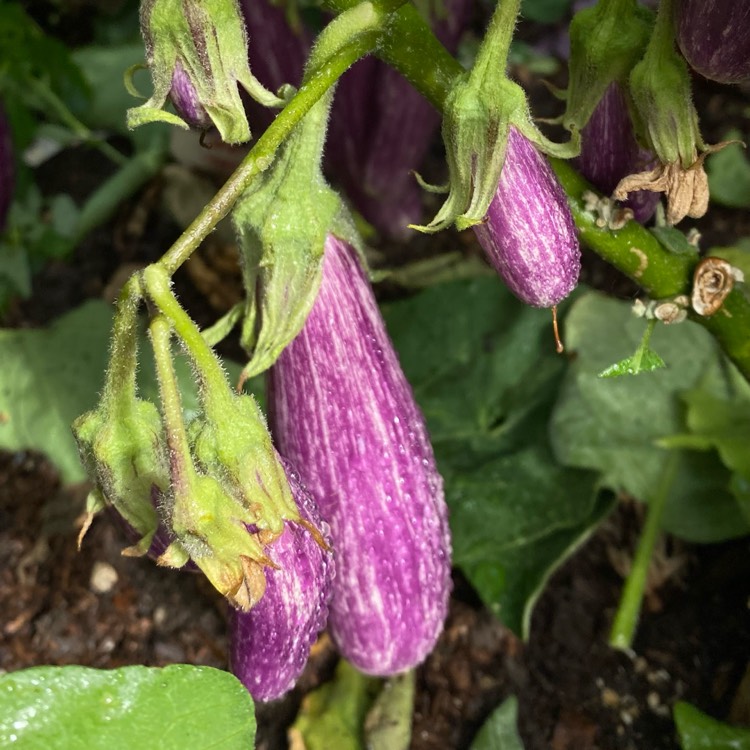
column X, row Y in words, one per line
column 606, row 42
column 659, row 85
column 282, row 222
column 122, row 450
column 209, row 525
column 208, row 39
column 230, row 440
column 480, row 109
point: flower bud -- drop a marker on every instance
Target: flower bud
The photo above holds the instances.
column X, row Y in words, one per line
column 269, row 646
column 341, row 409
column 529, row 235
column 197, row 53
column 123, row 451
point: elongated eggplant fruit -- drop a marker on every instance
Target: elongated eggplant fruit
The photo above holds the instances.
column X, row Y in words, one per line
column 528, row 234
column 610, row 152
column 341, row 409
column 714, row 37
column 269, row 645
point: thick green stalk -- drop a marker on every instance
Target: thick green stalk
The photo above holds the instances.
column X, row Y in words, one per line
column 661, row 273
column 629, row 610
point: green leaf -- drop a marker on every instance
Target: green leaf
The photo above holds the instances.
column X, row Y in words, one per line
column 388, row 722
column 333, row 715
column 614, row 425
column 697, row 731
column 729, row 175
column 645, row 361
column 78, row 708
column 674, row 240
column 499, row 731
column 51, row 376
column 485, row 376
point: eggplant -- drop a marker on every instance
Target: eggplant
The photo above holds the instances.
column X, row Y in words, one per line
column 342, row 410
column 269, row 645
column 610, row 152
column 380, row 131
column 528, row 233
column 714, row 37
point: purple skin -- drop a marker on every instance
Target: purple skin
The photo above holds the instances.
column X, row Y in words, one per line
column 7, row 175
column 340, row 407
column 276, row 53
column 185, row 100
column 610, row 152
column 374, row 155
column 528, row 233
column 714, row 37
column 270, row 644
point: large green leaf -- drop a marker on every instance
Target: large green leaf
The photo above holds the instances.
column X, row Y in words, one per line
column 697, row 731
column 78, row 708
column 616, row 425
column 499, row 731
column 50, row 376
column 485, row 375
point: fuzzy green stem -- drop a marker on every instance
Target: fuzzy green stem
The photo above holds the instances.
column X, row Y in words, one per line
column 492, row 58
column 181, row 466
column 120, row 383
column 156, row 284
column 330, row 58
column 629, row 610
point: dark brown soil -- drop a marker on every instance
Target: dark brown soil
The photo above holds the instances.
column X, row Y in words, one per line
column 100, row 609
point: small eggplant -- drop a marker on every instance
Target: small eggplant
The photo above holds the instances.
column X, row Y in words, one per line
column 528, row 233
column 610, row 152
column 269, row 645
column 341, row 409
column 714, row 37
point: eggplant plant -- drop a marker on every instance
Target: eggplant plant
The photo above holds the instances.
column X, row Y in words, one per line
column 340, row 501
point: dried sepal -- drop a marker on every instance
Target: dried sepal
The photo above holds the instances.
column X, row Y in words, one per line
column 713, row 280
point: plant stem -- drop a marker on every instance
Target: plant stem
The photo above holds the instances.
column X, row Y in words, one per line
column 661, row 273
column 492, row 58
column 101, row 205
column 156, row 285
column 628, row 612
column 261, row 155
column 68, row 119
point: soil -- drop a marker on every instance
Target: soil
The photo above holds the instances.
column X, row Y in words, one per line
column 97, row 608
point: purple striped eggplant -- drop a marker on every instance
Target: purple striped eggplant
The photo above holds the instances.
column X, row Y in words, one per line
column 7, row 173
column 528, row 233
column 610, row 152
column 269, row 645
column 341, row 409
column 277, row 52
column 714, row 37
column 186, row 100
column 380, row 131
